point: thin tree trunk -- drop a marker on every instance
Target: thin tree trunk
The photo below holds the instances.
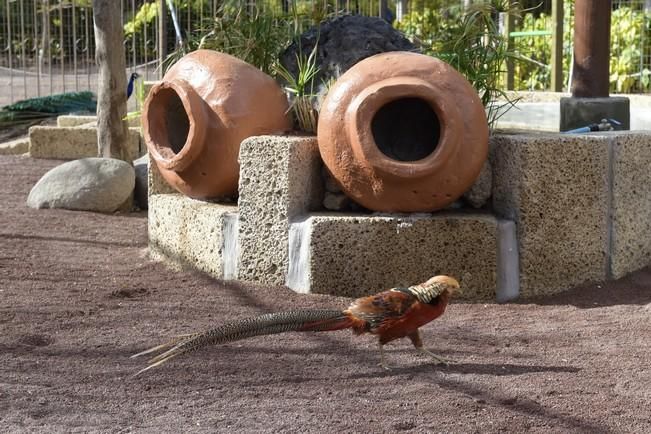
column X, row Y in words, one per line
column 112, row 130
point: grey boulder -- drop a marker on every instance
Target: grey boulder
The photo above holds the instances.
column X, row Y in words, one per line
column 89, row 184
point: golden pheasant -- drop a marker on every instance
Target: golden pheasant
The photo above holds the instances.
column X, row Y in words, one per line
column 392, row 314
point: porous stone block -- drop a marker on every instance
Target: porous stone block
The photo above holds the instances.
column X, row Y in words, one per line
column 88, row 121
column 156, row 184
column 556, row 189
column 15, row 147
column 75, row 120
column 69, row 143
column 631, row 203
column 355, row 255
column 188, row 233
column 279, row 180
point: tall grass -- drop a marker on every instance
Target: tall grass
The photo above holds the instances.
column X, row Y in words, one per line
column 471, row 42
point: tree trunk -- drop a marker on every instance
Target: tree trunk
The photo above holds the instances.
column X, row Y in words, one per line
column 112, row 130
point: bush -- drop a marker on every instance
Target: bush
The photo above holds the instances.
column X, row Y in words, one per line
column 470, row 41
column 628, row 25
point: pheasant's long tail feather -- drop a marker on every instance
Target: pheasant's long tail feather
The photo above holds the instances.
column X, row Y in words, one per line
column 298, row 320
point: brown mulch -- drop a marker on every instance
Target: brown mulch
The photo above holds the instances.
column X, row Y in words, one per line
column 78, row 295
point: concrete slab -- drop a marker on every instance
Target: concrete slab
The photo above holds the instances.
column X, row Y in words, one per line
column 555, row 187
column 88, row 120
column 630, row 247
column 15, row 147
column 69, row 143
column 280, row 178
column 188, row 233
column 356, row 255
column 75, row 120
column 581, row 112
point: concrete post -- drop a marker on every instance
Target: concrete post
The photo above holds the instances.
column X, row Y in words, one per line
column 590, row 103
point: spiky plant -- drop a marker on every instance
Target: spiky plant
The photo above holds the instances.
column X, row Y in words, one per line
column 470, row 41
column 300, row 88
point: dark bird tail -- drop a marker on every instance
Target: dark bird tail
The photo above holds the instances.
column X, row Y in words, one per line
column 268, row 324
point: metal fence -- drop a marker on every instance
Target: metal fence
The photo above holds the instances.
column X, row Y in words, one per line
column 47, row 46
column 630, row 49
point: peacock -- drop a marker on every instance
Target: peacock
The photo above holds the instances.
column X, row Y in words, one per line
column 131, row 84
column 33, row 110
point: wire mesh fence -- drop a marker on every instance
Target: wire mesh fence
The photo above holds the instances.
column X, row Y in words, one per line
column 47, row 46
column 630, row 48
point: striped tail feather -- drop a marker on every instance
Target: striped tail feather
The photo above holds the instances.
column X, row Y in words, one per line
column 267, row 324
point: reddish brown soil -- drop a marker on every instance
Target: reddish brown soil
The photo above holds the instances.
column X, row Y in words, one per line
column 78, row 296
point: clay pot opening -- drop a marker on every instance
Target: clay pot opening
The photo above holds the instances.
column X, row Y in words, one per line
column 172, row 122
column 406, row 129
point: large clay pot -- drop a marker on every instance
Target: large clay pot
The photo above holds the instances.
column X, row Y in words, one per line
column 403, row 132
column 195, row 119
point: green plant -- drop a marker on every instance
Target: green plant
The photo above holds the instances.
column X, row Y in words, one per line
column 470, row 41
column 256, row 33
column 628, row 25
column 146, row 14
column 301, row 90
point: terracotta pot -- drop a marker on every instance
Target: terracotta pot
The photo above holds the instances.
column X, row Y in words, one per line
column 195, row 119
column 403, row 132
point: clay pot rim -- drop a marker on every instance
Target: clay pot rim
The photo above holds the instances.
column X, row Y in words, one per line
column 194, row 110
column 367, row 103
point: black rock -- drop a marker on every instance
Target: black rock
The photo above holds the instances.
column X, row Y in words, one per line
column 341, row 43
column 140, row 190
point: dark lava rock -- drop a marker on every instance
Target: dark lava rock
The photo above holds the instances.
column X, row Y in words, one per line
column 341, row 43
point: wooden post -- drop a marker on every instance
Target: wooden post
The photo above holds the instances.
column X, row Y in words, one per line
column 557, row 45
column 111, row 94
column 591, row 48
column 590, row 102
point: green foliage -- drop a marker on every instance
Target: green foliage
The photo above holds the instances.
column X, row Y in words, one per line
column 145, row 15
column 628, row 25
column 253, row 34
column 301, row 90
column 628, row 28
column 257, row 34
column 470, row 41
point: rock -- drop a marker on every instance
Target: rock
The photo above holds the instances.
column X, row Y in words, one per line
column 140, row 192
column 342, row 42
column 481, row 190
column 90, row 184
column 336, row 201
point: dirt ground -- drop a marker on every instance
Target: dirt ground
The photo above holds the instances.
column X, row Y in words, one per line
column 78, row 296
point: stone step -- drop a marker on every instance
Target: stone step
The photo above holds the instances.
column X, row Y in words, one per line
column 69, row 143
column 15, row 147
column 355, row 255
